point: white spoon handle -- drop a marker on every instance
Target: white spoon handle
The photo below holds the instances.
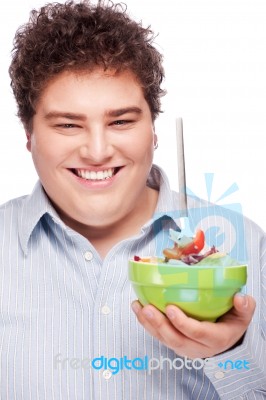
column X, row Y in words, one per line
column 181, row 168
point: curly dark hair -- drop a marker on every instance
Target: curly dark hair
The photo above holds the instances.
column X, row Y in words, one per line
column 81, row 36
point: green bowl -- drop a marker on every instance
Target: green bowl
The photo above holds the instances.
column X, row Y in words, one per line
column 203, row 293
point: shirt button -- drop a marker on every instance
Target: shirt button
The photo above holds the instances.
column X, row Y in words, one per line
column 105, row 310
column 88, row 256
column 107, row 374
column 219, row 374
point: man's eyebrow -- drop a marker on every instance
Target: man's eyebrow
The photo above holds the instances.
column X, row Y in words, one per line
column 121, row 111
column 67, row 115
column 74, row 116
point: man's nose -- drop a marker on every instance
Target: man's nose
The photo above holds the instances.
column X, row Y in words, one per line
column 97, row 146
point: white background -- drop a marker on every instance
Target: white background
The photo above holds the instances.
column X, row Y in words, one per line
column 215, row 63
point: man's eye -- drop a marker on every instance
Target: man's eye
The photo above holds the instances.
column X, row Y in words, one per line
column 67, row 126
column 121, row 122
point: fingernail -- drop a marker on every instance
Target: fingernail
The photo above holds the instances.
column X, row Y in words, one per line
column 148, row 313
column 170, row 314
column 135, row 307
column 244, row 299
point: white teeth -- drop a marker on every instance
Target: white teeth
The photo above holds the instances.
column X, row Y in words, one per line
column 92, row 175
column 100, row 175
column 95, row 175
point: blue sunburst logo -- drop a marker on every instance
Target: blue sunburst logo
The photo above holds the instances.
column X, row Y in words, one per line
column 223, row 223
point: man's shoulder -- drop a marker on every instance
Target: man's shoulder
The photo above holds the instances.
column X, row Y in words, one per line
column 10, row 215
column 17, row 202
column 12, row 207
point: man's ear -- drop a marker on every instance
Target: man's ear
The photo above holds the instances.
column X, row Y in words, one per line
column 155, row 141
column 28, row 145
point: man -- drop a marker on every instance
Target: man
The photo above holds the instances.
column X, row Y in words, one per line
column 86, row 79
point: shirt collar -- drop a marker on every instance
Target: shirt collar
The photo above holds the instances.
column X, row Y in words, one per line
column 37, row 204
column 34, row 207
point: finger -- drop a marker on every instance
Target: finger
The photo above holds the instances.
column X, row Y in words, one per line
column 204, row 339
column 244, row 306
column 242, row 311
column 235, row 322
column 158, row 325
column 145, row 317
column 198, row 331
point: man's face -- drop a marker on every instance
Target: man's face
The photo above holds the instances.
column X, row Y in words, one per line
column 92, row 145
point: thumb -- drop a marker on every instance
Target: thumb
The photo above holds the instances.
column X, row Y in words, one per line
column 244, row 306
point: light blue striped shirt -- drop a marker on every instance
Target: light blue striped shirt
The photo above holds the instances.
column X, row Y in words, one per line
column 62, row 308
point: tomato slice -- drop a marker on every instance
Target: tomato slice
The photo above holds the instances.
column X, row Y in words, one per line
column 196, row 246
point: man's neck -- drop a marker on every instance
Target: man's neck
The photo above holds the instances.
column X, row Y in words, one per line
column 103, row 238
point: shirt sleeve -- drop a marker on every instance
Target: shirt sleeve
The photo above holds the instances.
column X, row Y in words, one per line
column 240, row 373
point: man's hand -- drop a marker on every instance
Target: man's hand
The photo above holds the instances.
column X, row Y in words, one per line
column 192, row 338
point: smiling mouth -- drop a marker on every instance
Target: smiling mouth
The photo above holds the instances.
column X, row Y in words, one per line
column 101, row 175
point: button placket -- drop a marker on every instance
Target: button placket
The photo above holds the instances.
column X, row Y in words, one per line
column 219, row 374
column 88, row 255
column 107, row 374
column 105, row 310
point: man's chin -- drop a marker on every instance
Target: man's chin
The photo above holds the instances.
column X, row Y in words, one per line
column 91, row 219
